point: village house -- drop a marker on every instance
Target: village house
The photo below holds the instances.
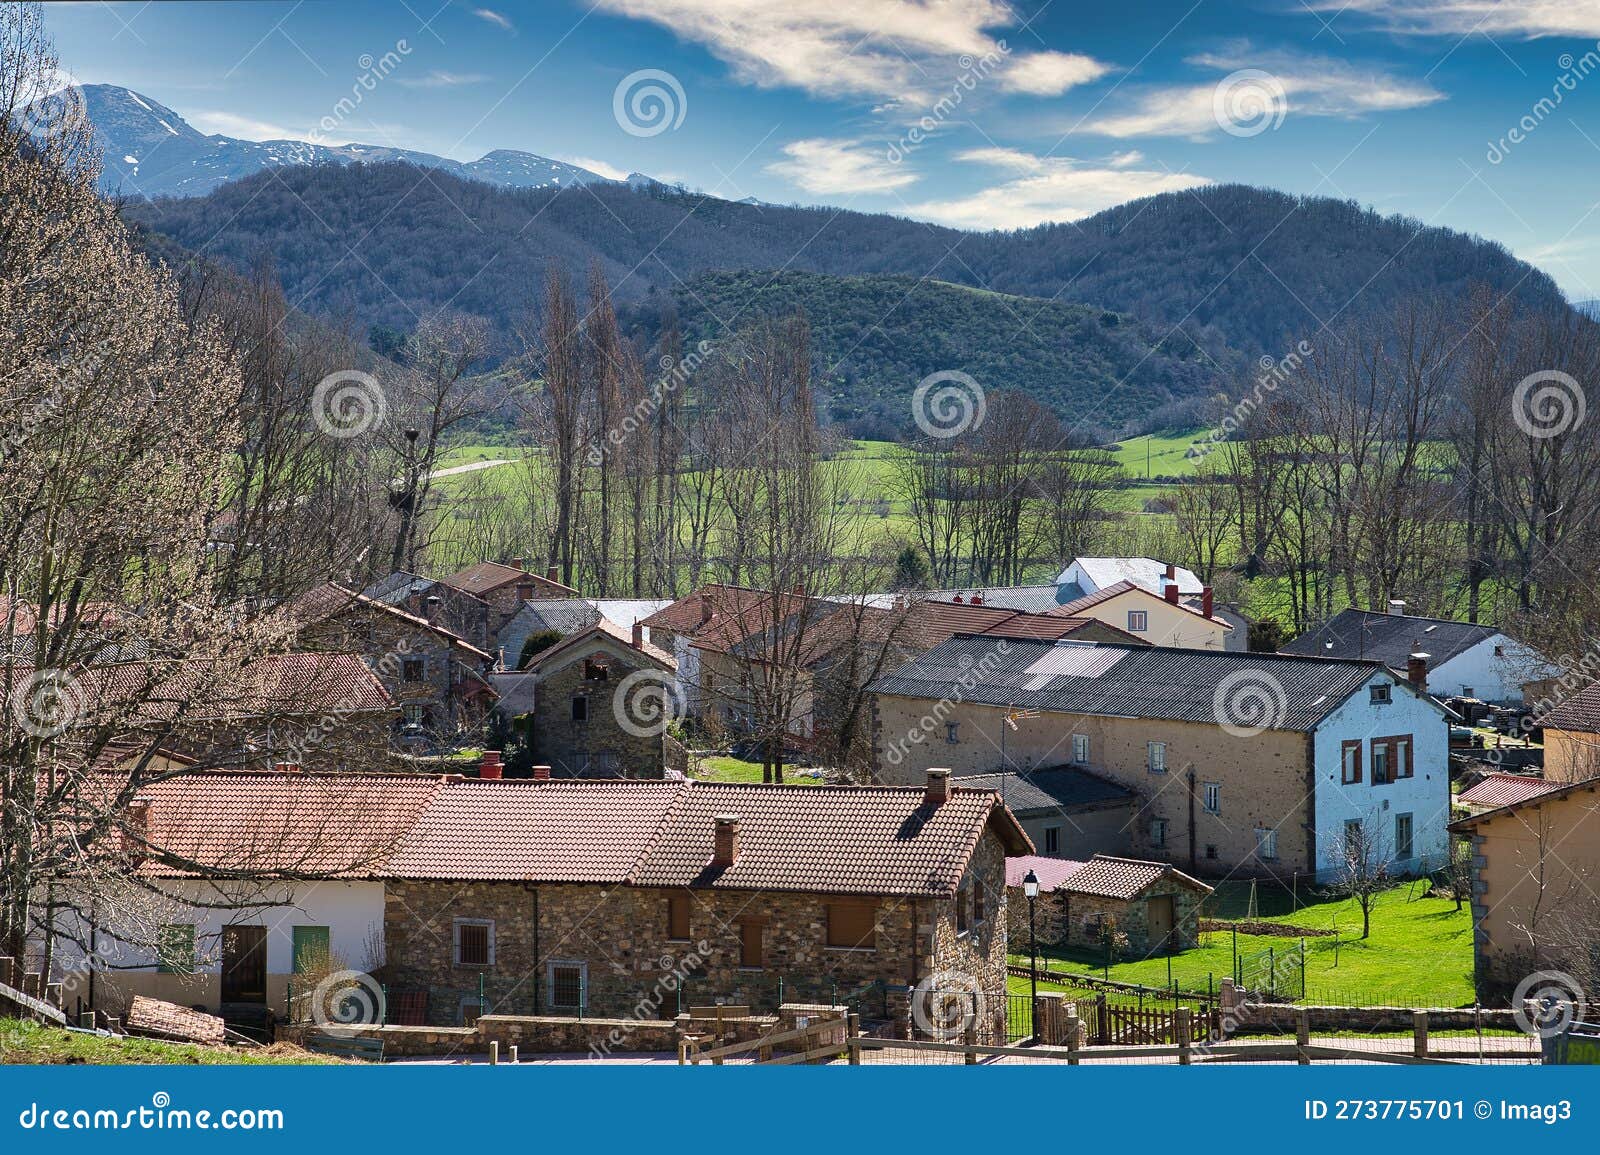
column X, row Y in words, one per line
column 1572, row 737
column 1129, row 906
column 1464, row 660
column 602, row 700
column 434, row 676
column 1254, row 764
column 500, row 590
column 1534, row 861
column 1067, row 811
column 1158, row 620
column 599, row 898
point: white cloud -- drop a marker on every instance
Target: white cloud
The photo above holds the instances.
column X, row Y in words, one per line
column 213, row 122
column 441, row 79
column 1529, row 18
column 1051, row 73
column 829, row 167
column 1049, row 189
column 495, row 18
column 1288, row 84
column 594, row 164
column 902, row 53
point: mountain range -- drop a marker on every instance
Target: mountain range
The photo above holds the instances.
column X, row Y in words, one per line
column 148, row 150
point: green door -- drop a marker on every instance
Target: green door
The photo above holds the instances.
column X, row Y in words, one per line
column 310, row 948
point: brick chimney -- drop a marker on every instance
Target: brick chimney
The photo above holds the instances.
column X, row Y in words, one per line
column 541, row 773
column 707, row 611
column 286, row 767
column 1171, row 591
column 959, row 600
column 977, row 599
column 524, row 591
column 938, row 789
column 137, row 831
column 519, row 562
column 1205, row 600
column 1172, row 572
column 552, row 574
column 726, row 851
column 638, row 636
column 430, row 609
column 491, row 767
column 1417, row 671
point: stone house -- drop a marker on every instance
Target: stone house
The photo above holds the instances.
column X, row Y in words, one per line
column 1534, row 861
column 618, row 898
column 497, row 592
column 1080, row 904
column 1253, row 764
column 436, row 678
column 602, row 701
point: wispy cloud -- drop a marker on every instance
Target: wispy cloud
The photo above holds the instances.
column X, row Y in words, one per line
column 1049, row 189
column 1305, row 85
column 498, row 19
column 593, row 164
column 441, row 79
column 1529, row 18
column 214, row 121
column 831, row 167
column 902, row 53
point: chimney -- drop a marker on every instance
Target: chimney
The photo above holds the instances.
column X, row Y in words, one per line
column 414, row 599
column 1396, row 606
column 977, row 599
column 518, row 562
column 541, row 773
column 1417, row 671
column 524, row 591
column 638, row 635
column 137, row 831
column 938, row 790
column 1171, row 591
column 959, row 600
column 799, row 590
column 430, row 609
column 1205, row 600
column 726, row 852
column 552, row 574
column 1172, row 572
column 490, row 768
column 287, row 767
column 706, row 610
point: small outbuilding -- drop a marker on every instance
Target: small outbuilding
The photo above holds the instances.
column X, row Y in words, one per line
column 1154, row 904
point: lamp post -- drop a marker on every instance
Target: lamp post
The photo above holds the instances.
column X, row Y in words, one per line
column 1030, row 887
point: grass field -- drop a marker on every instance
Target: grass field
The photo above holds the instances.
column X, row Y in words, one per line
column 24, row 1042
column 726, row 769
column 1419, row 954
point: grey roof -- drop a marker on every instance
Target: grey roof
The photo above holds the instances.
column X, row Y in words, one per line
column 1038, row 599
column 566, row 616
column 1053, row 789
column 391, row 589
column 1389, row 638
column 1179, row 685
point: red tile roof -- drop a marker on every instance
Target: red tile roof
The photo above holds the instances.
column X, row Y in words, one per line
column 1580, row 712
column 1051, row 872
column 491, row 575
column 1495, row 790
column 1104, row 875
column 1556, row 792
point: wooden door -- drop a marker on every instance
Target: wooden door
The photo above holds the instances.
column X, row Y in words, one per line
column 1159, row 919
column 244, row 964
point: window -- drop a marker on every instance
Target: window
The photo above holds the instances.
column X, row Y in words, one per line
column 1138, row 621
column 568, row 983
column 678, row 917
column 1157, row 754
column 1080, row 749
column 595, row 670
column 580, row 708
column 415, row 715
column 1380, row 762
column 1211, row 850
column 1350, row 762
column 1211, row 795
column 750, row 944
column 474, row 942
column 414, row 670
column 977, row 902
column 952, row 732
column 1391, row 759
column 1352, row 837
column 175, row 949
column 1052, row 840
column 1158, row 832
column 310, row 948
column 1402, row 836
column 963, row 911
column 1266, row 844
column 852, row 925
column 1381, row 694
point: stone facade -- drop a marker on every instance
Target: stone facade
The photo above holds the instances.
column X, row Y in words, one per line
column 597, row 745
column 1065, row 918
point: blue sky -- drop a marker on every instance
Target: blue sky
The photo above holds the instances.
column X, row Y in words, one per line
column 974, row 113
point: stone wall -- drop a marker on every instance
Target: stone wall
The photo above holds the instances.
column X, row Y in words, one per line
column 974, row 959
column 597, row 746
column 1067, row 919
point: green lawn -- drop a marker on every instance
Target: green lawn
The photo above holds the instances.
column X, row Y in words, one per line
column 1419, row 954
column 24, row 1042
column 725, row 769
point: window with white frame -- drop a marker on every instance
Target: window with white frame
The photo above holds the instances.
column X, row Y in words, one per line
column 1211, row 796
column 1080, row 749
column 1381, row 694
column 1156, row 753
column 1158, row 832
column 1138, row 621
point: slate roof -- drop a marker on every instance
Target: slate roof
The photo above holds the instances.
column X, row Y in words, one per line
column 1034, row 599
column 1125, row 681
column 392, row 588
column 565, row 615
column 1104, row 875
column 1389, row 638
column 1495, row 790
column 1053, row 789
column 602, row 629
column 1579, row 712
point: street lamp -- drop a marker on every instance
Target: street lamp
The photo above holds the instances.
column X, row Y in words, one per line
column 1030, row 887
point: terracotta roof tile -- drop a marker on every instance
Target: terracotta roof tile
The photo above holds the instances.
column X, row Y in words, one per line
column 1496, row 790
column 1104, row 875
column 1580, row 712
column 491, row 575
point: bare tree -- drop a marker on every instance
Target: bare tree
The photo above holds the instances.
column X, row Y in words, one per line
column 1365, row 868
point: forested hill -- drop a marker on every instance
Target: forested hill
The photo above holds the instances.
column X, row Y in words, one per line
column 874, row 337
column 1239, row 267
